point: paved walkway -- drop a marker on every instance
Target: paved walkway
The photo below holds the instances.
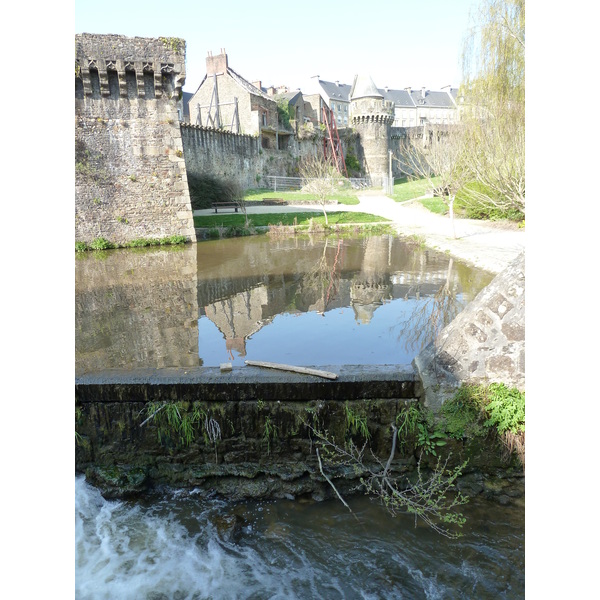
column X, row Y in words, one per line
column 487, row 245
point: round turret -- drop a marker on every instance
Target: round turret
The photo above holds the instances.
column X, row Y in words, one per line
column 371, row 116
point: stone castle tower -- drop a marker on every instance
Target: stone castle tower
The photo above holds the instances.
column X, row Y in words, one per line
column 130, row 174
column 372, row 118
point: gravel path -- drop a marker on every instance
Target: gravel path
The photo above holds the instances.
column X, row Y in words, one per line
column 485, row 244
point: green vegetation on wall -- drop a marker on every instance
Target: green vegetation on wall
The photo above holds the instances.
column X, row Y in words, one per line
column 101, row 243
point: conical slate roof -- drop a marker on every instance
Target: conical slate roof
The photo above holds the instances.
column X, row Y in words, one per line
column 363, row 87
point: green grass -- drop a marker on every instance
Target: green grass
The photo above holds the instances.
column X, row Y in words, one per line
column 435, row 205
column 405, row 189
column 346, row 197
column 101, row 243
column 288, row 218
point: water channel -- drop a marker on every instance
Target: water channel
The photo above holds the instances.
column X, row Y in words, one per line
column 304, row 301
column 175, row 547
column 300, row 300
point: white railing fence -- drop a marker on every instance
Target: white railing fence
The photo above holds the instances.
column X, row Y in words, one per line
column 276, row 182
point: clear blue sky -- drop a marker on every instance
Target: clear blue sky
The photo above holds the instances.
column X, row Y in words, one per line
column 399, row 43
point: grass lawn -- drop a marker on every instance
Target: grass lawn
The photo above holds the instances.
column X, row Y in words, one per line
column 346, row 197
column 289, row 218
column 435, row 205
column 405, row 189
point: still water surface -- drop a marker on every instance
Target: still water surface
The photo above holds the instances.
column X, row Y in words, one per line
column 300, row 300
column 172, row 549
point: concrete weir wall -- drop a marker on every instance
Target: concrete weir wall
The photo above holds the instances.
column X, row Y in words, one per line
column 130, row 176
column 264, row 447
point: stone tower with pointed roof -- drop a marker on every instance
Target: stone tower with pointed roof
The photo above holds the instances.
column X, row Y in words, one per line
column 371, row 117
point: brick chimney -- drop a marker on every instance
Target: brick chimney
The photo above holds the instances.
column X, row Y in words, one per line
column 216, row 64
column 422, row 92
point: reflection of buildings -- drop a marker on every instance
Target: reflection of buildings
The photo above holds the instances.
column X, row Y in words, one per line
column 140, row 309
column 239, row 316
column 362, row 275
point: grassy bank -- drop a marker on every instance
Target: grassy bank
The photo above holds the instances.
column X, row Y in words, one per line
column 408, row 189
column 346, row 197
column 288, row 218
column 101, row 243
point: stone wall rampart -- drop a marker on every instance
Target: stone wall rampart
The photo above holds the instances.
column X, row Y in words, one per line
column 130, row 177
column 484, row 344
column 241, row 158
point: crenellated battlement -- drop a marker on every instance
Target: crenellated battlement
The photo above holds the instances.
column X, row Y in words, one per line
column 371, row 110
column 116, row 67
column 130, row 175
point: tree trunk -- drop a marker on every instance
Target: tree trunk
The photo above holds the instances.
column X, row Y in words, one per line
column 451, row 207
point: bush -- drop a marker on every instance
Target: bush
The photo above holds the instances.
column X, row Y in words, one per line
column 352, row 163
column 479, row 202
column 506, row 409
column 81, row 247
column 206, row 189
column 101, row 243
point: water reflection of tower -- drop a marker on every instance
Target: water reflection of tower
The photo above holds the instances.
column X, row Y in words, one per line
column 238, row 317
column 372, row 286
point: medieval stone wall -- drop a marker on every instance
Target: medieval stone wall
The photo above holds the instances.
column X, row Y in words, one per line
column 485, row 343
column 240, row 158
column 130, row 177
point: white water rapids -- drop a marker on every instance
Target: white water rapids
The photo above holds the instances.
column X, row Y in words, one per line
column 170, row 549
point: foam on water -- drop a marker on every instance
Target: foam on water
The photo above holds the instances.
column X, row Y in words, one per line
column 170, row 549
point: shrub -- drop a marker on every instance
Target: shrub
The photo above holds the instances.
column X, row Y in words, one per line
column 101, row 243
column 206, row 189
column 479, row 202
column 81, row 247
column 506, row 409
column 352, row 163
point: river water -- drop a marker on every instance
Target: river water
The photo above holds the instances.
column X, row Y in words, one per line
column 304, row 301
column 174, row 548
column 300, row 300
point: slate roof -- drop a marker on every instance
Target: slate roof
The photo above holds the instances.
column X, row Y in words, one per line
column 185, row 101
column 432, row 99
column 401, row 98
column 336, row 92
column 291, row 97
column 398, row 97
column 245, row 84
column 252, row 89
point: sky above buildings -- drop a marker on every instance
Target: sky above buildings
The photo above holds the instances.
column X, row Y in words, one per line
column 399, row 43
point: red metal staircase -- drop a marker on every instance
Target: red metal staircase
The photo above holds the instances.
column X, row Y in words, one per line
column 332, row 147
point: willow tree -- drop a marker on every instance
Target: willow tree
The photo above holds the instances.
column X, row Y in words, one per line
column 492, row 105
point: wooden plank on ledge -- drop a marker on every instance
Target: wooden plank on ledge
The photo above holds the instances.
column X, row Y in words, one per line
column 292, row 368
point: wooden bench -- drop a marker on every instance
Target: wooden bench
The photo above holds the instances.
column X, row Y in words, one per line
column 217, row 205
